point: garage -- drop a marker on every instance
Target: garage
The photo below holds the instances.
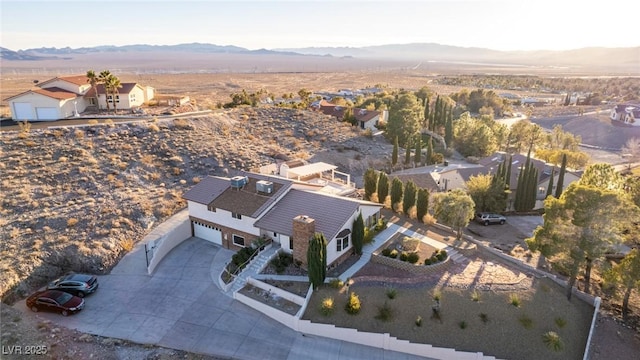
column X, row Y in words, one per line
column 207, row 232
column 47, row 113
column 22, row 111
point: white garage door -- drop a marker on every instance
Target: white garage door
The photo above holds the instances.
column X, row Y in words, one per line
column 207, row 232
column 47, row 113
column 23, row 111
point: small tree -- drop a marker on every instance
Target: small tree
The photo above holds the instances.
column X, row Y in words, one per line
column 454, row 209
column 417, row 157
column 394, row 154
column 396, row 192
column 563, row 169
column 422, row 204
column 370, row 183
column 407, row 153
column 383, row 187
column 627, row 275
column 317, row 260
column 409, row 198
column 357, row 234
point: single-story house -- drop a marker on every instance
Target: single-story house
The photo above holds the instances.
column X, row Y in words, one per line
column 366, row 119
column 233, row 212
column 626, row 113
column 54, row 99
column 68, row 96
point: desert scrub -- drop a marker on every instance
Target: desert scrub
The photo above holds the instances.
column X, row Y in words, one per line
column 353, row 305
column 514, row 300
column 385, row 313
column 526, row 321
column 462, row 324
column 475, row 296
column 484, row 317
column 336, row 283
column 391, row 293
column 552, row 340
column 71, row 222
column 327, row 306
column 418, row 321
column 560, row 322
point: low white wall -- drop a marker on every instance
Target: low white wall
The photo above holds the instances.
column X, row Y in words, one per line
column 593, row 326
column 275, row 314
column 275, row 290
column 385, row 341
column 166, row 236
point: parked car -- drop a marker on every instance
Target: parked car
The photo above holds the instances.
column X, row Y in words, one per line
column 56, row 301
column 489, row 218
column 76, row 284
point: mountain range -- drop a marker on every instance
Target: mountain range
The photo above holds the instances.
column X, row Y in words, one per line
column 618, row 59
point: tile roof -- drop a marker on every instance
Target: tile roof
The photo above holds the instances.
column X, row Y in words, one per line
column 424, row 181
column 329, row 212
column 52, row 92
column 76, row 80
column 337, row 111
column 217, row 191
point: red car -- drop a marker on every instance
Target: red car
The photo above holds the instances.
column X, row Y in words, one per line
column 56, row 301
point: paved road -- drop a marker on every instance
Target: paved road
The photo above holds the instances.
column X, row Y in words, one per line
column 181, row 307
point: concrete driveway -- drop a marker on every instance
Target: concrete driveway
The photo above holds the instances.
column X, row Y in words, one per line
column 181, row 307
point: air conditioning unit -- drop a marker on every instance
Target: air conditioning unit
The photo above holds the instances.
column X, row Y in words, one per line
column 264, row 186
column 238, row 182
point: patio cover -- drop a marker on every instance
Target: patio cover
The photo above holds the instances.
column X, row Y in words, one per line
column 311, row 169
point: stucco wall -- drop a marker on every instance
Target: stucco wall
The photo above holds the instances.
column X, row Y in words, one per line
column 167, row 236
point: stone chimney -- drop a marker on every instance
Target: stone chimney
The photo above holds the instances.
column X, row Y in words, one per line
column 303, row 229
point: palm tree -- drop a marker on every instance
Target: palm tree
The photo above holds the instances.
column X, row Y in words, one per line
column 112, row 85
column 102, row 78
column 92, row 79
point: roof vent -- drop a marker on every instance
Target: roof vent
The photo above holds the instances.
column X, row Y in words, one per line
column 264, row 186
column 238, row 182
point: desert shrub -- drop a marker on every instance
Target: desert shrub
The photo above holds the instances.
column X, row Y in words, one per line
column 475, row 296
column 427, row 261
column 72, row 222
column 410, row 244
column 327, row 306
column 552, row 340
column 462, row 324
column 153, row 127
column 441, row 255
column 368, row 236
column 391, row 293
column 196, row 180
column 419, row 321
column 280, row 262
column 526, row 321
column 413, row 257
column 336, row 283
column 560, row 322
column 386, row 252
column 384, row 312
column 514, row 300
column 437, row 295
column 381, row 225
column 126, row 244
column 484, row 317
column 353, row 305
column 393, row 254
column 404, row 256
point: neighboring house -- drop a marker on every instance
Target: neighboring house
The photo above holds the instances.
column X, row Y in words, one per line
column 129, row 96
column 423, row 181
column 54, row 99
column 456, row 178
column 68, row 96
column 626, row 113
column 544, row 173
column 234, row 212
column 367, row 119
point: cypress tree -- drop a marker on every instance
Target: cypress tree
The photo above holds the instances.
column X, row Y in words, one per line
column 409, row 198
column 417, row 157
column 507, row 179
column 394, row 154
column 396, row 192
column 448, row 128
column 407, row 152
column 563, row 169
column 519, row 190
column 383, row 187
column 550, row 187
column 426, row 113
column 370, row 183
column 422, row 204
column 317, row 259
column 429, row 154
column 357, row 234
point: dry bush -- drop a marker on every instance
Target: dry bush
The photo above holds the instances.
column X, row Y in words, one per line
column 92, row 122
column 58, row 133
column 176, row 171
column 109, row 123
column 79, row 134
column 72, row 222
column 153, row 127
column 147, row 159
column 196, row 180
column 126, row 244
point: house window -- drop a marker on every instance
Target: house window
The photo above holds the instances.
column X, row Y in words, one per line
column 372, row 220
column 342, row 243
column 92, row 101
column 211, row 208
column 238, row 240
column 275, row 234
column 236, row 215
column 290, row 244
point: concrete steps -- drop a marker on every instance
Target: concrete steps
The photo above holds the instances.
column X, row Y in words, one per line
column 255, row 267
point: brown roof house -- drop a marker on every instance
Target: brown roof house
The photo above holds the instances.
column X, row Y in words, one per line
column 67, row 96
column 233, row 212
column 366, row 119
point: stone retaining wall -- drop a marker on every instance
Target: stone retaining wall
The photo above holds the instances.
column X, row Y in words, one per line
column 413, row 268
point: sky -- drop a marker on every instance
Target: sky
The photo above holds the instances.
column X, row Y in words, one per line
column 499, row 25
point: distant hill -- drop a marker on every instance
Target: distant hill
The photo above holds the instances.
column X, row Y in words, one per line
column 605, row 60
